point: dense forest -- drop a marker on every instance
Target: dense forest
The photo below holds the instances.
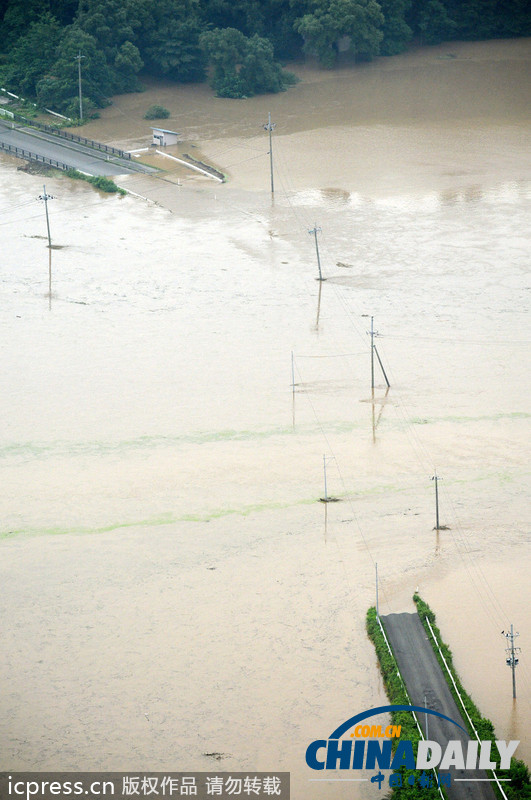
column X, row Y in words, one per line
column 238, row 44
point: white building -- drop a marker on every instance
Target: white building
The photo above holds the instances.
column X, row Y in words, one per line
column 163, row 138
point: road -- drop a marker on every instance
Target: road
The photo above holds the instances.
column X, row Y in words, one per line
column 424, row 679
column 74, row 154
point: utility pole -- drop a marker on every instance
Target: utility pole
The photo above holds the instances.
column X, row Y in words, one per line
column 318, row 306
column 270, row 126
column 47, row 197
column 372, row 352
column 315, row 230
column 327, row 499
column 293, row 388
column 436, row 479
column 372, row 333
column 78, row 59
column 50, row 277
column 511, row 659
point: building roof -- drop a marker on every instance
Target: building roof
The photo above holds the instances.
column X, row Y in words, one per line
column 163, row 130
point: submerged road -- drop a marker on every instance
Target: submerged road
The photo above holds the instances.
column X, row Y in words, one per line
column 426, row 684
column 75, row 154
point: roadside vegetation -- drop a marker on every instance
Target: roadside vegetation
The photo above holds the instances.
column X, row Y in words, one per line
column 239, row 46
column 398, row 696
column 519, row 787
column 98, row 181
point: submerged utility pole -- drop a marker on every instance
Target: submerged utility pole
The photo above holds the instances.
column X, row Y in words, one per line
column 292, row 389
column 326, row 498
column 270, row 126
column 78, row 59
column 314, row 231
column 372, row 333
column 511, row 660
column 47, row 197
column 372, row 352
column 436, row 479
column 50, row 276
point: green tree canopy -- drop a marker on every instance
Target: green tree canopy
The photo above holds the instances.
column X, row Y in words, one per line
column 330, row 20
column 396, row 32
column 240, row 39
column 110, row 22
column 259, row 71
column 59, row 88
column 18, row 16
column 169, row 38
column 242, row 66
column 34, row 54
column 435, row 25
column 225, row 49
column 113, row 25
column 127, row 63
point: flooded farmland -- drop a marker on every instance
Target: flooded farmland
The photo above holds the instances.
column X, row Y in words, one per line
column 171, row 584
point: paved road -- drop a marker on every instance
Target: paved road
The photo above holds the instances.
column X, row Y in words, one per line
column 74, row 154
column 424, row 678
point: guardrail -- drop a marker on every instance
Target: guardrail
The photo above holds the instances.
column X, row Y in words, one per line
column 72, row 137
column 23, row 100
column 21, row 153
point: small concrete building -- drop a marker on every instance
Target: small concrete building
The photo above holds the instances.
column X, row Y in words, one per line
column 163, row 138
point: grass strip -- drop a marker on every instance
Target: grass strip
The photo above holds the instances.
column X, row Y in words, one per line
column 99, row 181
column 397, row 695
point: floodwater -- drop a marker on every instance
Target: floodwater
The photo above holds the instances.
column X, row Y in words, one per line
column 171, row 585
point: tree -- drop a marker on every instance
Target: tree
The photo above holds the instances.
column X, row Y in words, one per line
column 242, row 66
column 434, row 23
column 248, row 16
column 127, row 63
column 360, row 20
column 259, row 71
column 110, row 22
column 34, row 54
column 64, row 10
column 114, row 25
column 396, row 32
column 225, row 49
column 169, row 38
column 59, row 88
column 431, row 20
column 280, row 16
column 18, row 16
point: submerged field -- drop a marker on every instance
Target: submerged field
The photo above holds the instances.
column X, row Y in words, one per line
column 171, row 584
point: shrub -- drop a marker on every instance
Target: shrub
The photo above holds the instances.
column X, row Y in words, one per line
column 157, row 112
column 99, row 181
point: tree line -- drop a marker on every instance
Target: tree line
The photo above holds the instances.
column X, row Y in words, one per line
column 238, row 44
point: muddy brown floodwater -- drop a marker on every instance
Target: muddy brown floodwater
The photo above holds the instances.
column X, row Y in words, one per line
column 170, row 584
